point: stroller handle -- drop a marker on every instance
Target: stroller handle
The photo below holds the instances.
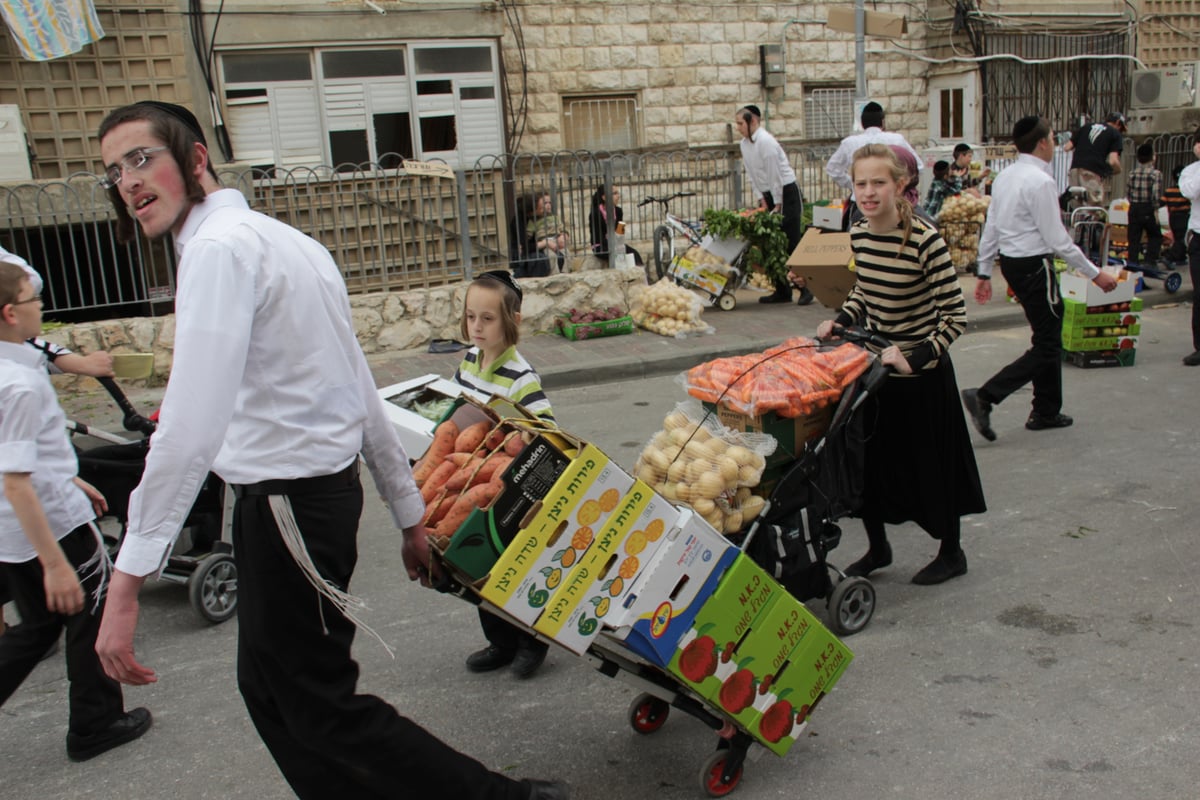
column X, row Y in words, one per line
column 133, row 421
column 876, row 375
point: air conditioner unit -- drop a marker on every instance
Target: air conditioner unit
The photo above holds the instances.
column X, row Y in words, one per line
column 1168, row 87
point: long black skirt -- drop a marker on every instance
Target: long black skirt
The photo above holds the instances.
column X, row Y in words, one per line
column 920, row 465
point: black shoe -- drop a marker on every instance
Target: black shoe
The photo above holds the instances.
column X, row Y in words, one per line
column 980, row 412
column 547, row 790
column 490, row 658
column 776, row 298
column 125, row 729
column 873, row 560
column 941, row 570
column 806, row 297
column 1040, row 422
column 1193, row 360
column 529, row 657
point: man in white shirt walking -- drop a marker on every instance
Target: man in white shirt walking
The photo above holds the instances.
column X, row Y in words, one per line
column 1024, row 227
column 270, row 389
column 838, row 166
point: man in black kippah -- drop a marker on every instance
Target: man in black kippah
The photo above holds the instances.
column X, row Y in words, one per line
column 838, row 166
column 1024, row 229
column 1097, row 157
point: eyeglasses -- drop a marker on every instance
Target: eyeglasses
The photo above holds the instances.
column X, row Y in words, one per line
column 131, row 163
column 37, row 298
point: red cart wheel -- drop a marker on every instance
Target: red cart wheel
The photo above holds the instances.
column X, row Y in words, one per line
column 711, row 776
column 648, row 713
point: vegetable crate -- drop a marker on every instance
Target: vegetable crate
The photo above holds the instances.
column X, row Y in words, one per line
column 593, row 330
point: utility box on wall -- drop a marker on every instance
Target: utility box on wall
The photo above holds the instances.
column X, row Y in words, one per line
column 771, row 57
column 14, row 150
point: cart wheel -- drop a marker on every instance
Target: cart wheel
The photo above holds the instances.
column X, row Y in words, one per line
column 710, row 775
column 727, row 302
column 212, row 587
column 851, row 605
column 663, row 238
column 648, row 713
column 1173, row 282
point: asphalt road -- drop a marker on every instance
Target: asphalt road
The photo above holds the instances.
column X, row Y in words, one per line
column 1063, row 665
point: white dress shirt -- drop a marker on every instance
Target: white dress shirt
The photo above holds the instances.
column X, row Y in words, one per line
column 1026, row 217
column 838, row 166
column 33, row 439
column 767, row 165
column 268, row 381
column 1189, row 187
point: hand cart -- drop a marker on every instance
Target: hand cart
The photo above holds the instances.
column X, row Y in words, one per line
column 714, row 268
column 1090, row 224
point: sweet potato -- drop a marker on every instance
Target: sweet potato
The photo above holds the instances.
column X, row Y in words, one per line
column 469, row 501
column 437, row 508
column 444, row 436
column 437, row 481
column 496, row 438
column 464, row 473
column 471, row 437
column 514, row 443
column 495, row 465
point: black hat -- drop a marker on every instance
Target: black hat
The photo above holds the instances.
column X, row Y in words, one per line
column 872, row 106
column 180, row 113
column 505, row 277
column 754, row 110
column 1118, row 119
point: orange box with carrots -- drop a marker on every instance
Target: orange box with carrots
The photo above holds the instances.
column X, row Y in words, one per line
column 601, row 579
column 555, row 534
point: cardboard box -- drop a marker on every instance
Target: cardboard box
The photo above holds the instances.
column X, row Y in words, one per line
column 823, row 260
column 606, row 573
column 707, row 654
column 416, row 432
column 875, row 23
column 790, row 432
column 827, row 217
column 477, row 544
column 1091, row 343
column 556, row 534
column 1080, row 289
column 1073, row 309
column 1101, row 358
column 664, row 601
column 576, row 331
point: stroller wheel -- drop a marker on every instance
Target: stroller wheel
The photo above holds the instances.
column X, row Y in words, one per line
column 212, row 587
column 851, row 605
column 1173, row 282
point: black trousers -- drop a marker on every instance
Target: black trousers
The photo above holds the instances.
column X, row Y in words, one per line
column 1179, row 228
column 95, row 699
column 299, row 682
column 1193, row 250
column 792, row 225
column 1142, row 219
column 1034, row 283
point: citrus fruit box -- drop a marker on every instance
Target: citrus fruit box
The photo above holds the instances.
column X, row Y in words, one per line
column 555, row 534
column 473, row 548
column 576, row 331
column 663, row 602
column 603, row 576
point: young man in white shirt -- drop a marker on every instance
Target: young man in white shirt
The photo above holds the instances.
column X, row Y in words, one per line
column 838, row 166
column 1024, row 228
column 270, row 389
column 1189, row 187
column 52, row 558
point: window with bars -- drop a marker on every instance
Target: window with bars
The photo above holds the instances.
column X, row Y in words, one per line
column 602, row 122
column 828, row 112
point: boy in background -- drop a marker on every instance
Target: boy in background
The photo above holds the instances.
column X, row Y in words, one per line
column 51, row 555
column 1145, row 194
column 942, row 186
column 1179, row 208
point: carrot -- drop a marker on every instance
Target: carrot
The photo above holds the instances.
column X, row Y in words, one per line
column 471, row 437
column 441, row 446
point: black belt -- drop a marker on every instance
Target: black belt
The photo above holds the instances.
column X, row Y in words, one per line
column 314, row 485
column 1029, row 262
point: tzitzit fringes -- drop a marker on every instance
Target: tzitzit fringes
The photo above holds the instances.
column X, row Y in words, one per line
column 347, row 604
column 99, row 563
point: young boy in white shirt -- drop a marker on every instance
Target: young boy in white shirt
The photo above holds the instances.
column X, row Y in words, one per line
column 51, row 555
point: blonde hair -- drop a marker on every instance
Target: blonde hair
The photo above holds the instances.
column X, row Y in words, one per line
column 899, row 174
column 510, row 307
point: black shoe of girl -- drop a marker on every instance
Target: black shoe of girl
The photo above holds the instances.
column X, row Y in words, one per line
column 942, row 569
column 873, row 560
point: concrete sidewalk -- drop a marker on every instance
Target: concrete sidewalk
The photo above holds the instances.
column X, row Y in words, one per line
column 749, row 328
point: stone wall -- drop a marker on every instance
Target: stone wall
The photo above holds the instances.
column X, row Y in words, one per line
column 385, row 322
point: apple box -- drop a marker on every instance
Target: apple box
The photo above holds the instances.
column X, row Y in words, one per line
column 556, row 534
column 827, row 217
column 604, row 575
column 1080, row 289
column 664, row 601
column 485, row 534
column 823, row 260
column 722, row 625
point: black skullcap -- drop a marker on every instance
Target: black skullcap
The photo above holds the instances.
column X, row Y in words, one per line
column 873, row 107
column 505, row 277
column 754, row 110
column 1116, row 118
column 1024, row 125
column 180, row 113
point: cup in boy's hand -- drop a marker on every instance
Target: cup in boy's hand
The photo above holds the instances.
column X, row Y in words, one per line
column 621, row 228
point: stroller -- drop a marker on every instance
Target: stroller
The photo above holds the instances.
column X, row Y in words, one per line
column 202, row 557
column 797, row 528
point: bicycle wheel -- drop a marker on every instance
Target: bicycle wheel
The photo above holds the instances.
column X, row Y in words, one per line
column 664, row 247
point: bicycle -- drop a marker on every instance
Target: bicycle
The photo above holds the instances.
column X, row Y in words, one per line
column 665, row 234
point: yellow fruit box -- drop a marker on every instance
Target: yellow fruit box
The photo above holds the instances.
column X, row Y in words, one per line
column 557, row 533
column 664, row 601
column 605, row 574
